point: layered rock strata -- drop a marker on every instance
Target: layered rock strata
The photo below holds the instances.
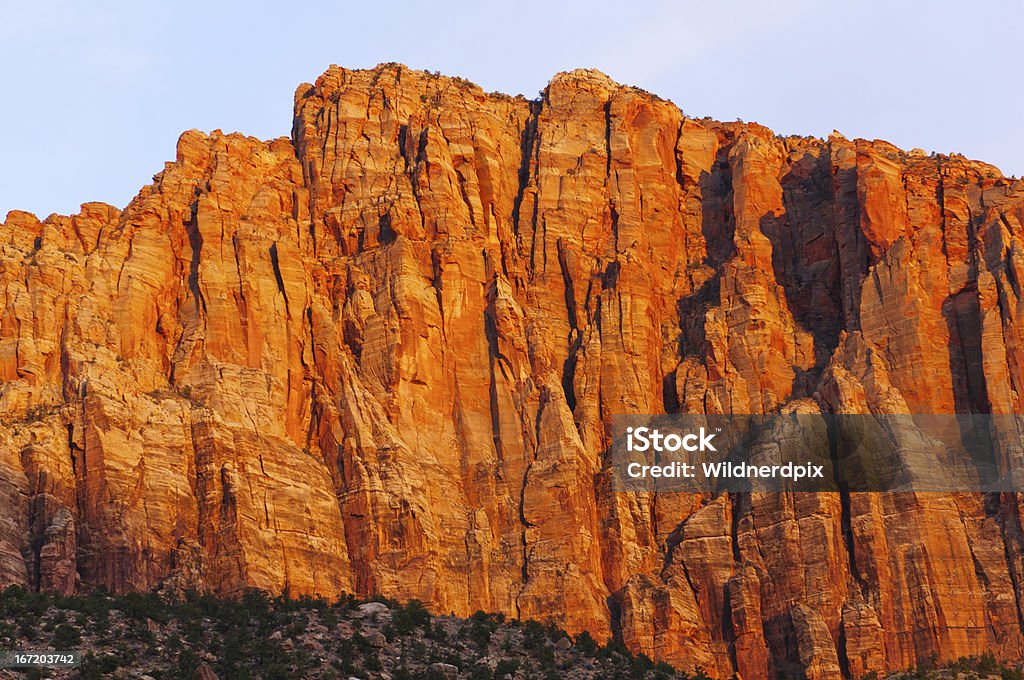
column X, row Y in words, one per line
column 383, row 356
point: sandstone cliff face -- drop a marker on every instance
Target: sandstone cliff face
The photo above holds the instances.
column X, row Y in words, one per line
column 383, row 356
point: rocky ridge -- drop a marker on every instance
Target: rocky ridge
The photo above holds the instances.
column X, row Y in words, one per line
column 382, row 357
column 147, row 637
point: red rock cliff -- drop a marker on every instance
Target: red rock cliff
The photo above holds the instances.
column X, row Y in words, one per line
column 382, row 357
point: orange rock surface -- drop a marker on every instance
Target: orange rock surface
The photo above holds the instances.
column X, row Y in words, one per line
column 383, row 356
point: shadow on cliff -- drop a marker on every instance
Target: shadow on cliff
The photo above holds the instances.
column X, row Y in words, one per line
column 805, row 260
column 718, row 226
column 805, row 263
column 962, row 312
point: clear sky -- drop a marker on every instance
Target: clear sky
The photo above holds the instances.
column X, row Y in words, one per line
column 93, row 95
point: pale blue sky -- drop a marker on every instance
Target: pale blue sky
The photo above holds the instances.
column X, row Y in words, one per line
column 95, row 94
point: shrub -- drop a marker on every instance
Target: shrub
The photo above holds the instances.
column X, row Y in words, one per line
column 410, row 617
column 613, row 647
column 95, row 668
column 27, row 629
column 142, row 606
column 481, row 672
column 480, row 633
column 534, row 634
column 663, row 671
column 371, row 662
column 66, row 637
column 277, row 671
column 640, row 665
column 17, row 601
column 256, row 602
column 586, row 644
column 438, row 633
column 346, row 652
column 505, row 667
column 985, row 665
column 546, row 656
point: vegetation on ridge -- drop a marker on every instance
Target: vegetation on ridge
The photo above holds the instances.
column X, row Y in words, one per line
column 257, row 636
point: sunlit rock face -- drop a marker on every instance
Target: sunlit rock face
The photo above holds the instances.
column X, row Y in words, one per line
column 383, row 356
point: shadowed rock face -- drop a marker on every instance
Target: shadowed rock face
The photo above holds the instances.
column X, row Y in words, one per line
column 383, row 357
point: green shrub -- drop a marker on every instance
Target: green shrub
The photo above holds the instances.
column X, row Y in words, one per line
column 481, row 672
column 640, row 666
column 663, row 671
column 277, row 671
column 505, row 667
column 371, row 662
column 480, row 633
column 17, row 601
column 27, row 629
column 96, row 668
column 586, row 644
column 408, row 618
column 437, row 633
column 142, row 606
column 534, row 634
column 66, row 637
column 612, row 648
